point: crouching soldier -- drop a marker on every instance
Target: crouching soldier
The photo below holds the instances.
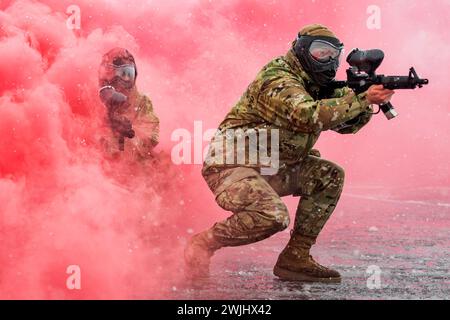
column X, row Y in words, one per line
column 287, row 95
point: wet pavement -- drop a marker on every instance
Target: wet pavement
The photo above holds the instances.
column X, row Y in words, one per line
column 385, row 246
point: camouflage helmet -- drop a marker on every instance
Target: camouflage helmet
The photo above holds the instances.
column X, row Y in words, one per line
column 316, row 30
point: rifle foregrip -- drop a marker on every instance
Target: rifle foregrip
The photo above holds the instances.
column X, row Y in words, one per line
column 388, row 110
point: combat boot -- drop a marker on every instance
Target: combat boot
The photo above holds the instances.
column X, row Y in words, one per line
column 198, row 253
column 296, row 264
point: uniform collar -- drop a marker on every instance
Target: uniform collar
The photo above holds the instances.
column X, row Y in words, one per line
column 297, row 68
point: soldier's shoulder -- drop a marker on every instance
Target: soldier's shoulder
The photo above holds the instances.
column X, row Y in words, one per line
column 144, row 98
column 278, row 69
column 145, row 103
column 275, row 67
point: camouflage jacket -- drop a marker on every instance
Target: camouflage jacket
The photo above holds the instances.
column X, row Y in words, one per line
column 139, row 110
column 283, row 97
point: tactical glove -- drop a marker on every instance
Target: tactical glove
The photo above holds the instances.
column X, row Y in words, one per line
column 121, row 125
column 112, row 98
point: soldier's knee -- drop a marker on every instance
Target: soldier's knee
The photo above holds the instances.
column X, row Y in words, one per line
column 338, row 173
column 335, row 180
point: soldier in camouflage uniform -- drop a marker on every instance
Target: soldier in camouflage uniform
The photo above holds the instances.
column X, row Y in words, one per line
column 133, row 127
column 287, row 95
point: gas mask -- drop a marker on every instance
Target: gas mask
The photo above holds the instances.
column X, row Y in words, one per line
column 319, row 56
column 118, row 69
column 126, row 72
column 124, row 75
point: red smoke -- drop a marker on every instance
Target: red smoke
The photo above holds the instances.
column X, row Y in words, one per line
column 58, row 207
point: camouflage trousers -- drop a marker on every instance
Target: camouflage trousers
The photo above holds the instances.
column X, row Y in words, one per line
column 259, row 212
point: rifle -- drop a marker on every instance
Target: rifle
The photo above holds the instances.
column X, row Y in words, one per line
column 361, row 75
column 113, row 100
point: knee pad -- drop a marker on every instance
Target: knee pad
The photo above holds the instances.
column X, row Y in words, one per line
column 332, row 176
column 327, row 178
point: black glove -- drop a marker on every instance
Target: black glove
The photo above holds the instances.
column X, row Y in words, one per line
column 354, row 125
column 122, row 125
column 112, row 98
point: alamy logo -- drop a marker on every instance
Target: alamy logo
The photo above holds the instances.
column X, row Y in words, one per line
column 374, row 20
column 74, row 20
column 259, row 147
column 374, row 280
column 73, row 282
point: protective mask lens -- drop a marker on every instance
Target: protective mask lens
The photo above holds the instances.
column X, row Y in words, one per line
column 126, row 72
column 323, row 51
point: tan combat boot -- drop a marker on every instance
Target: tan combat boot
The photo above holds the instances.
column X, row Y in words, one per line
column 296, row 264
column 198, row 253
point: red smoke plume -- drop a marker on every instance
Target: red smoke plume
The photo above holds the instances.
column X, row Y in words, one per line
column 59, row 207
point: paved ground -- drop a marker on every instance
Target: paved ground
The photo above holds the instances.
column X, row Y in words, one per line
column 406, row 240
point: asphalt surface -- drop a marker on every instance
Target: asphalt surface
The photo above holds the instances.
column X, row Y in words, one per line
column 386, row 246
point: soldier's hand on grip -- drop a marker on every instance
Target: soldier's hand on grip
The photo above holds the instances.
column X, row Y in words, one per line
column 377, row 94
column 111, row 97
column 122, row 125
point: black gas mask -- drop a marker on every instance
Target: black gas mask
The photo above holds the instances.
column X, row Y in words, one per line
column 319, row 56
column 125, row 74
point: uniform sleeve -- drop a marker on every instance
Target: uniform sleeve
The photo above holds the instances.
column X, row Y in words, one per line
column 285, row 102
column 341, row 92
column 146, row 127
column 356, row 124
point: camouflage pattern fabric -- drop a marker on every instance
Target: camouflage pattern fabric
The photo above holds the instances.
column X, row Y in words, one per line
column 319, row 182
column 258, row 211
column 139, row 110
column 316, row 29
column 283, row 97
